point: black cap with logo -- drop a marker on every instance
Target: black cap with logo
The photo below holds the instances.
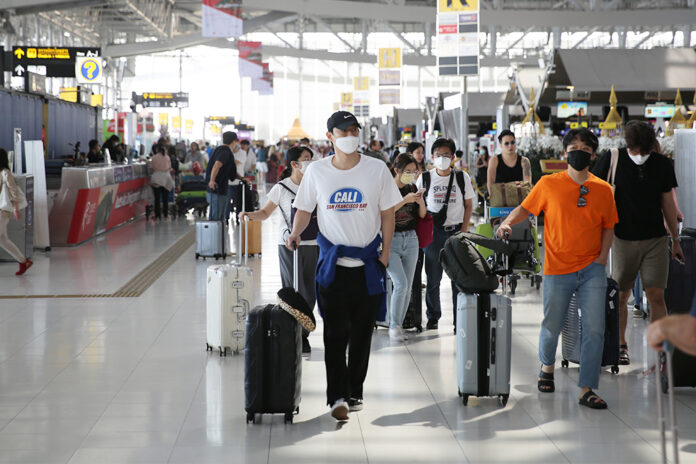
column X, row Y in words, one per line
column 343, row 120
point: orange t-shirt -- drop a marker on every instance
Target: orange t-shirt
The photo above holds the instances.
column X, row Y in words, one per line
column 572, row 234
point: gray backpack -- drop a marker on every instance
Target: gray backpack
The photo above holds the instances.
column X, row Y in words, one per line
column 465, row 265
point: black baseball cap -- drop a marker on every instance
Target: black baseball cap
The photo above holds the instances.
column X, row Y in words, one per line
column 343, row 120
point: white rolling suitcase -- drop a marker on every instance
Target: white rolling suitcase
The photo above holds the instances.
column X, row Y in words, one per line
column 229, row 298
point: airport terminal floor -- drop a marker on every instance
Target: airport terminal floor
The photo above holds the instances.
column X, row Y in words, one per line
column 103, row 360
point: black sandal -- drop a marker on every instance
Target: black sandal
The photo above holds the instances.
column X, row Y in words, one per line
column 592, row 401
column 624, row 360
column 545, row 383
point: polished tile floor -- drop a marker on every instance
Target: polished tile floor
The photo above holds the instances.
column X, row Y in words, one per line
column 109, row 380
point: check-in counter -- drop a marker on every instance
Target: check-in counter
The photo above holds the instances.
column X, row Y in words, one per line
column 95, row 199
column 21, row 232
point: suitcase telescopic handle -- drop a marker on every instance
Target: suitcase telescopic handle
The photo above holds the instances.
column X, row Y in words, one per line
column 243, row 243
column 666, row 354
column 295, row 267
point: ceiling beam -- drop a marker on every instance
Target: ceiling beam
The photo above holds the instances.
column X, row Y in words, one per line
column 32, row 9
column 323, row 23
column 388, row 25
column 188, row 40
column 585, row 37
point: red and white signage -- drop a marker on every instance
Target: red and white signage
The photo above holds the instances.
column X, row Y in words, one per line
column 221, row 18
column 250, row 59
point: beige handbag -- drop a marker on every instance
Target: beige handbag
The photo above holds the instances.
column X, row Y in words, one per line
column 509, row 194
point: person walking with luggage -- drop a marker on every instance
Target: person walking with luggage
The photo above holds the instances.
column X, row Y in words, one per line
column 11, row 197
column 579, row 214
column 643, row 183
column 448, row 196
column 220, row 169
column 354, row 197
column 404, row 246
column 161, row 182
column 508, row 166
column 281, row 196
column 237, row 183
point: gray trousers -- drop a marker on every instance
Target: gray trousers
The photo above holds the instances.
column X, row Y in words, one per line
column 309, row 255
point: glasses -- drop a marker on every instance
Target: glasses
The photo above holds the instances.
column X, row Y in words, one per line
column 443, row 155
column 410, row 172
column 509, row 143
column 582, row 201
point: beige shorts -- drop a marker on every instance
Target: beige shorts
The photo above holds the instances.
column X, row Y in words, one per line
column 650, row 257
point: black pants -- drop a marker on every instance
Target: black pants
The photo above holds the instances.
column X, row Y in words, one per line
column 161, row 201
column 349, row 315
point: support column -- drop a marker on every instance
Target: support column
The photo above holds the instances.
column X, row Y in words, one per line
column 556, row 37
column 464, row 122
column 301, row 28
column 621, row 32
column 686, row 41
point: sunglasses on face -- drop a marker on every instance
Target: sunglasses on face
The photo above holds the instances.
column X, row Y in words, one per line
column 582, row 201
column 510, row 143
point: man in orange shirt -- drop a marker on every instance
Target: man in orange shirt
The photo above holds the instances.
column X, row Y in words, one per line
column 579, row 218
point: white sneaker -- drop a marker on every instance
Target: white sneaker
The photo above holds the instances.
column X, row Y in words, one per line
column 339, row 410
column 397, row 335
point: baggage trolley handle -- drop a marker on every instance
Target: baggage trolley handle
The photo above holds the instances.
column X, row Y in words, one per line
column 295, row 267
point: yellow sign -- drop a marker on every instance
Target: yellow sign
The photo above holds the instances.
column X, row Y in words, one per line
column 164, row 119
column 361, row 83
column 495, row 126
column 389, row 57
column 215, row 129
column 336, row 106
column 346, row 98
column 583, row 124
column 68, row 94
column 457, row 5
column 157, row 96
column 574, row 125
column 607, row 125
column 97, row 99
column 19, row 53
column 176, row 122
column 189, row 124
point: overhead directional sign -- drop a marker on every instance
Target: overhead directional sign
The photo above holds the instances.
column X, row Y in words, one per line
column 457, row 37
column 89, row 70
column 59, row 61
column 162, row 99
column 224, row 120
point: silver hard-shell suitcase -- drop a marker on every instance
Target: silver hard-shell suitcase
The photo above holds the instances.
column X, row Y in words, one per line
column 229, row 299
column 484, row 334
column 211, row 239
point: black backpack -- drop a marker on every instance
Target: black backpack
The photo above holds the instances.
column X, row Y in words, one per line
column 465, row 265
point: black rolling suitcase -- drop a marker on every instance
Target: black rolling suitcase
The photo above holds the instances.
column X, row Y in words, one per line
column 571, row 334
column 679, row 294
column 273, row 361
column 414, row 313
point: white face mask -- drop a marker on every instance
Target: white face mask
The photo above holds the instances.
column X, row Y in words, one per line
column 347, row 144
column 639, row 159
column 442, row 163
column 304, row 165
column 402, row 149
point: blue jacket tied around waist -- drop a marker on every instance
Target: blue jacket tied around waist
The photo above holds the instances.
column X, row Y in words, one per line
column 374, row 275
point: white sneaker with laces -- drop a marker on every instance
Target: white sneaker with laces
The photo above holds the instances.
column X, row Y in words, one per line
column 339, row 410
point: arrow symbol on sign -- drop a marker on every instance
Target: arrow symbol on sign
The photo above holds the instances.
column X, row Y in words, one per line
column 19, row 53
column 19, row 70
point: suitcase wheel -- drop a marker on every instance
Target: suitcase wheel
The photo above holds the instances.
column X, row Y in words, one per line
column 297, row 410
column 465, row 399
column 614, row 369
column 503, row 399
column 564, row 363
column 197, row 256
column 250, row 418
column 537, row 280
column 208, row 347
column 288, row 418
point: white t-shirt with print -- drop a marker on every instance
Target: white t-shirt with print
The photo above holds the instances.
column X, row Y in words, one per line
column 437, row 191
column 280, row 196
column 349, row 202
column 240, row 156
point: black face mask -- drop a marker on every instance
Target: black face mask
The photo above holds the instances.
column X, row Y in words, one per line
column 579, row 159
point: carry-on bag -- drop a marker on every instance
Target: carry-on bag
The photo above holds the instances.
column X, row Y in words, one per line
column 273, row 360
column 666, row 355
column 484, row 336
column 509, row 193
column 571, row 334
column 228, row 301
column 211, row 239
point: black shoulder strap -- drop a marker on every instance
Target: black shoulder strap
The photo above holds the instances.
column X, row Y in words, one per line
column 426, row 182
column 287, row 188
column 460, row 182
column 282, row 213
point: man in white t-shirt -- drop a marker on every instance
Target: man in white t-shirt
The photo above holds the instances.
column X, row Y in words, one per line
column 234, row 192
column 437, row 182
column 355, row 197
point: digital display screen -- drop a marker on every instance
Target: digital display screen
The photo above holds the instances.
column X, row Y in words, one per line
column 659, row 111
column 568, row 109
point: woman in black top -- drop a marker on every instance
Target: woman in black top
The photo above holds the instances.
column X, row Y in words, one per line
column 482, row 166
column 508, row 166
column 404, row 246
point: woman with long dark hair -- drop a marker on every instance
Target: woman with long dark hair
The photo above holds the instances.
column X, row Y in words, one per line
column 417, row 149
column 8, row 184
column 282, row 195
column 404, row 246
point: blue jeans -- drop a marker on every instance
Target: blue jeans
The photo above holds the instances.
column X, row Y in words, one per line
column 402, row 266
column 433, row 272
column 590, row 286
column 217, row 206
